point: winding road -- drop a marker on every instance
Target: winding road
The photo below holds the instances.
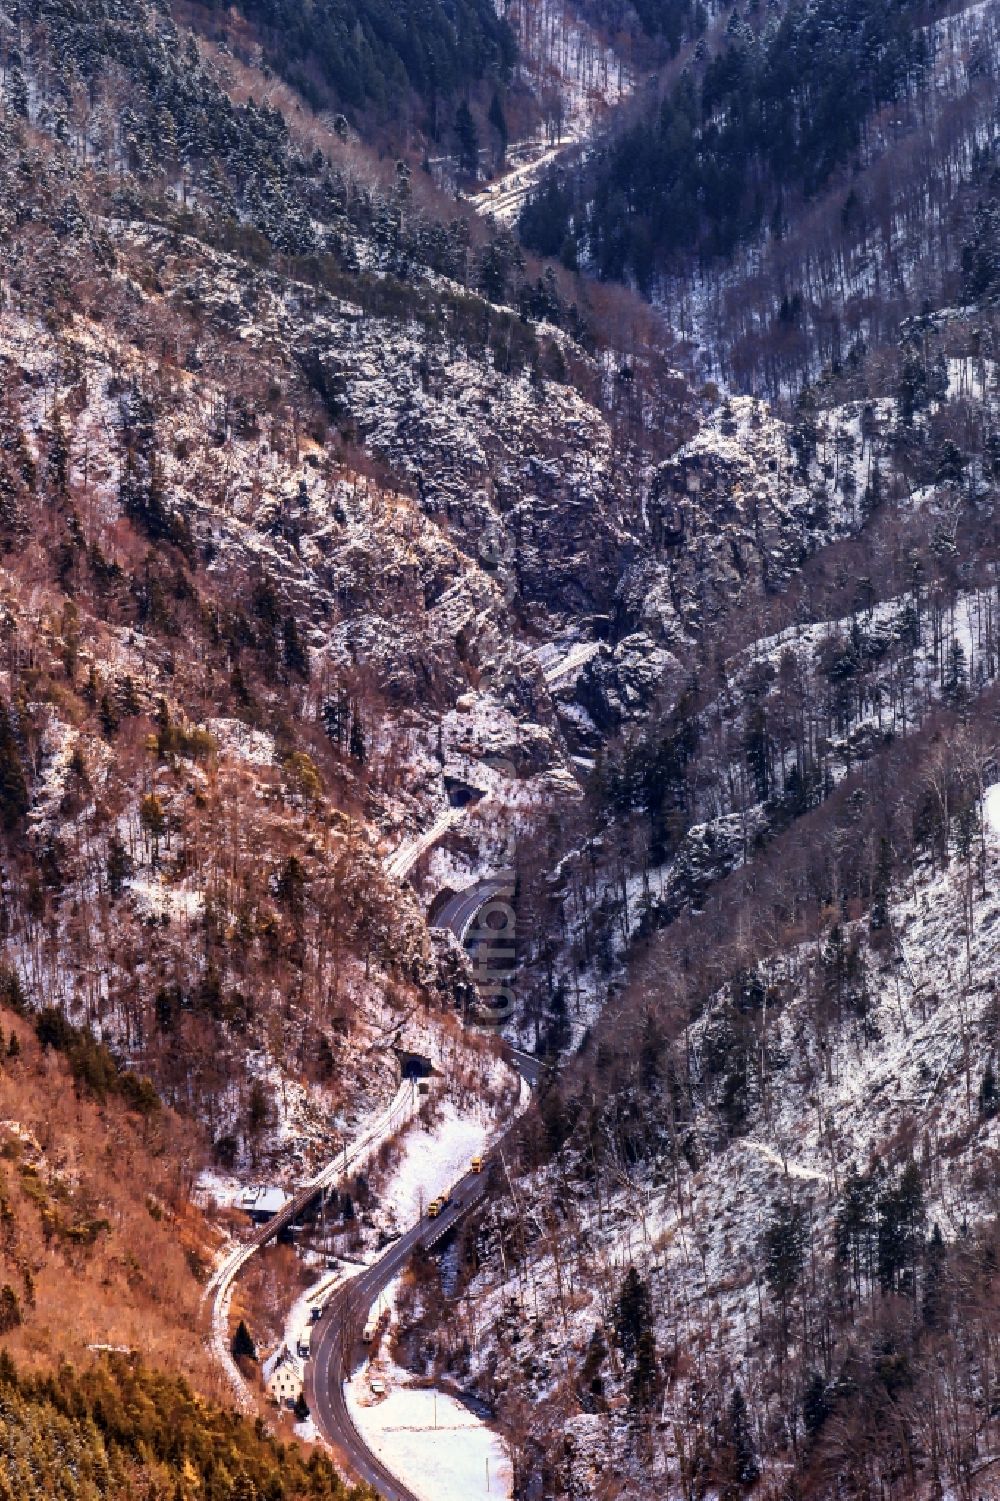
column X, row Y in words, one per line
column 401, row 861
column 220, row 1287
column 459, row 912
column 336, row 1338
column 336, row 1346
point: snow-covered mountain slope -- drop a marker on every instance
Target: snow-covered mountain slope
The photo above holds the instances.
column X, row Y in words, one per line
column 864, row 1050
column 346, row 560
column 576, row 77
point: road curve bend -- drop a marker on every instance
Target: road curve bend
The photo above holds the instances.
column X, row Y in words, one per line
column 220, row 1287
column 336, row 1339
column 459, row 912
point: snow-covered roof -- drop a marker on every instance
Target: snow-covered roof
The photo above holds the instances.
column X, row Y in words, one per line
column 262, row 1198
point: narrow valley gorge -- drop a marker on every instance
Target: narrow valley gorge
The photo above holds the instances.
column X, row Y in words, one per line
column 499, row 750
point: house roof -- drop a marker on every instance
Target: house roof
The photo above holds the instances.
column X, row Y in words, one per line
column 262, row 1198
column 283, row 1371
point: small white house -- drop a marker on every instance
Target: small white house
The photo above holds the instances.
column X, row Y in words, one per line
column 285, row 1379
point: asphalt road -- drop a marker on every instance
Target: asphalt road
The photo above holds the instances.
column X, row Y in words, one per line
column 219, row 1289
column 459, row 910
column 336, row 1349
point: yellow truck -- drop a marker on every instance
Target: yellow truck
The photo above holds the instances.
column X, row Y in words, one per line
column 435, row 1206
column 477, row 1164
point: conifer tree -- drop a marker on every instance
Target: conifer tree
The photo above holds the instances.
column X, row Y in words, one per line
column 357, row 746
column 468, row 141
column 740, row 1465
column 243, row 1345
column 633, row 1313
column 13, row 785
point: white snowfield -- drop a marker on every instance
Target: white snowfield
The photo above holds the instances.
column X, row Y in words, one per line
column 432, row 1442
column 220, row 1288
column 436, row 1446
column 431, row 1162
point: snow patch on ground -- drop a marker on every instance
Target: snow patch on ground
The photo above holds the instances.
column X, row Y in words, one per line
column 432, row 1160
column 158, row 900
column 219, row 1190
column 436, row 1445
column 991, row 810
column 236, row 739
column 430, row 1440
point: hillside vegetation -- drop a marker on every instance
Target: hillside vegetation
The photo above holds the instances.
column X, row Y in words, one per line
column 366, row 55
column 100, row 1245
column 350, row 556
column 121, row 1430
